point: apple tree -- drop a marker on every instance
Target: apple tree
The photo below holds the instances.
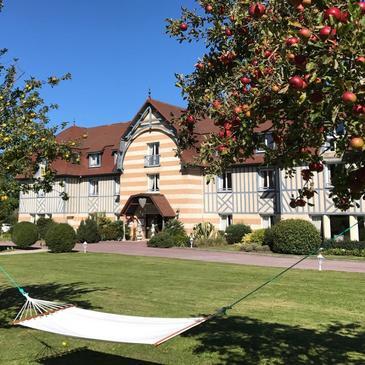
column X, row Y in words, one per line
column 26, row 140
column 292, row 68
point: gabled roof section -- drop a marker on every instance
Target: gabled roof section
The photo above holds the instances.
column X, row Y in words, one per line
column 102, row 139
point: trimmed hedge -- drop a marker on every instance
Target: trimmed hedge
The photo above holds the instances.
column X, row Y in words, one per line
column 88, row 231
column 24, row 234
column 256, row 237
column 344, row 248
column 235, row 233
column 43, row 225
column 162, row 240
column 60, row 238
column 295, row 236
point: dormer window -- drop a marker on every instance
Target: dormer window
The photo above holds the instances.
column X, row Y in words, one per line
column 94, row 159
column 266, row 141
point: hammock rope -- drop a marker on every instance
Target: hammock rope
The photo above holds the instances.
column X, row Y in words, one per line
column 72, row 321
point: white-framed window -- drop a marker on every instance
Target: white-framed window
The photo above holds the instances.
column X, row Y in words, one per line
column 117, row 186
column 329, row 171
column 115, row 157
column 330, row 142
column 93, row 187
column 265, row 140
column 41, row 194
column 225, row 220
column 95, row 160
column 266, row 179
column 153, row 182
column 153, row 155
column 153, row 148
column 224, row 182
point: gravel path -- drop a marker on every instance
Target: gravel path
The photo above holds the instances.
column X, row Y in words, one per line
column 240, row 258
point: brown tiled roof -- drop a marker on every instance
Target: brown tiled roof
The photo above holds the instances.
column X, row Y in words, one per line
column 104, row 139
column 159, row 201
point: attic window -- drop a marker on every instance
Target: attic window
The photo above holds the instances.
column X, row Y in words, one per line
column 95, row 160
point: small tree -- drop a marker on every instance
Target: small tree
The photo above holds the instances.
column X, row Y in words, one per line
column 88, row 231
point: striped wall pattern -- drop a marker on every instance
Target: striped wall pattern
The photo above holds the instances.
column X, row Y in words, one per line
column 183, row 190
column 79, row 200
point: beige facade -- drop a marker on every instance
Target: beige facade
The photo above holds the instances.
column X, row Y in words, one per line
column 147, row 164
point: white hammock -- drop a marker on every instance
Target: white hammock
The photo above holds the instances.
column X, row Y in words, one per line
column 69, row 320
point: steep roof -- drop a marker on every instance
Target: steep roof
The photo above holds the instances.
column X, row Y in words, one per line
column 104, row 139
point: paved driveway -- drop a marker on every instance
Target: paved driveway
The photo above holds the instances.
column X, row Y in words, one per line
column 241, row 258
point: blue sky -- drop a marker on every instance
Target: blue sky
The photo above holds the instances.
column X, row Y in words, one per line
column 114, row 49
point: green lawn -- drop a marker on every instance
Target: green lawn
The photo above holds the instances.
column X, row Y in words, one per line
column 306, row 317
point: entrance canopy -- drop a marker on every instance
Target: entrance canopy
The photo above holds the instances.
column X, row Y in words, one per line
column 159, row 201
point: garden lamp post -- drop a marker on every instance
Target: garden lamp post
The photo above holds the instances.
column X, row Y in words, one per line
column 320, row 258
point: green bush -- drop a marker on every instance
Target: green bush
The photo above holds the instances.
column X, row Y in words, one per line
column 88, row 231
column 344, row 248
column 24, row 234
column 205, row 230
column 268, row 237
column 295, row 236
column 235, row 233
column 210, row 242
column 176, row 230
column 162, row 240
column 255, row 237
column 60, row 238
column 43, row 225
column 174, row 227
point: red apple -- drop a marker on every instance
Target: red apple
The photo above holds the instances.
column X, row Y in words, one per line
column 327, row 32
column 228, row 32
column 305, row 33
column 357, row 143
column 267, row 54
column 296, row 82
column 300, row 60
column 209, row 8
column 257, row 10
column 245, row 80
column 307, row 2
column 348, row 97
column 316, row 166
column 190, row 119
column 293, row 203
column 237, row 109
column 222, row 148
column 360, row 59
column 199, row 65
column 291, row 41
column 333, row 12
column 183, row 27
column 344, row 17
column 221, row 134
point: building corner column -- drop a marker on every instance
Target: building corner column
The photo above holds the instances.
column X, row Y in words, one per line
column 354, row 230
column 326, row 227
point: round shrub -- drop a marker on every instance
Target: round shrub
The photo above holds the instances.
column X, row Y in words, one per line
column 268, row 237
column 88, row 231
column 25, row 234
column 60, row 238
column 235, row 233
column 174, row 227
column 295, row 236
column 43, row 225
column 162, row 240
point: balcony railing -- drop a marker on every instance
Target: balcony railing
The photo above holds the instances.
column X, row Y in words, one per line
column 151, row 160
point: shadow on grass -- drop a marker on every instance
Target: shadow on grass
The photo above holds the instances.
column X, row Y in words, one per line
column 11, row 300
column 84, row 356
column 243, row 340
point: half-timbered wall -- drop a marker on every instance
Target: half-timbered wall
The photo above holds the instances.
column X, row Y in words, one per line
column 80, row 203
